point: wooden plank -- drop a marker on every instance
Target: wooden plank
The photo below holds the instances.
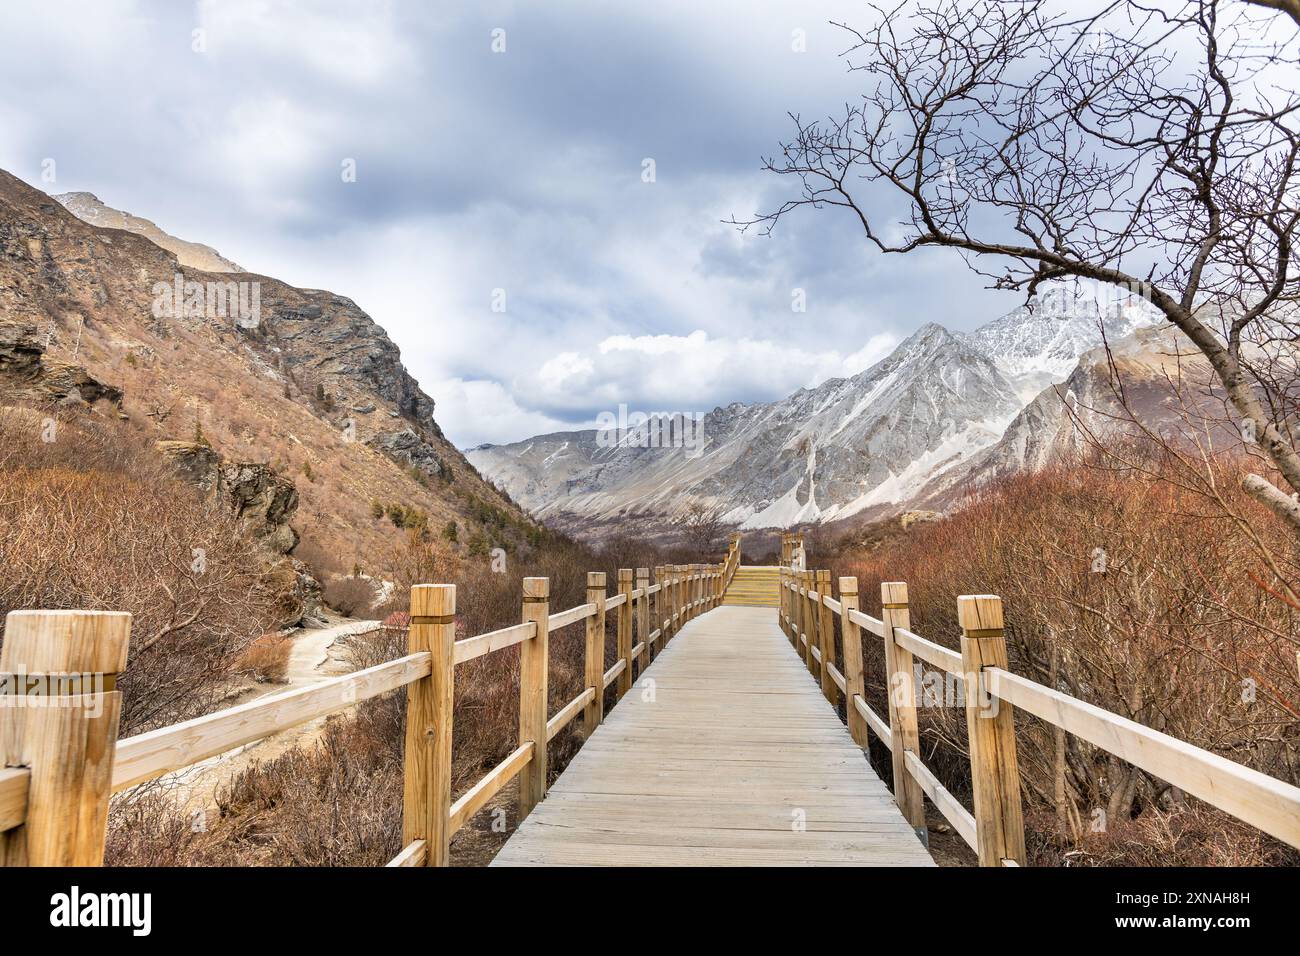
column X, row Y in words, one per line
column 872, row 624
column 615, row 601
column 836, row 676
column 413, row 855
column 930, row 652
column 1256, row 798
column 875, row 722
column 477, row 796
column 614, row 671
column 473, row 647
column 738, row 760
column 572, row 616
column 568, row 712
column 13, row 796
column 152, row 754
column 962, row 820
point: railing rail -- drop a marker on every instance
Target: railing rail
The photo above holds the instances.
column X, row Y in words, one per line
column 54, row 798
column 994, row 829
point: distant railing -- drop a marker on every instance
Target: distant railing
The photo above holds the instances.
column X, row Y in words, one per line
column 995, row 830
column 63, row 760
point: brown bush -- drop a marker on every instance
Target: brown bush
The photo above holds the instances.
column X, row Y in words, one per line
column 94, row 520
column 1176, row 630
column 351, row 597
column 336, row 804
column 267, row 658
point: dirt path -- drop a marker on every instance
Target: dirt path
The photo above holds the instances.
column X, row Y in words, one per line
column 314, row 658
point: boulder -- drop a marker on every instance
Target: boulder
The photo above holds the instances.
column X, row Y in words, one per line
column 263, row 501
column 410, row 450
column 28, row 376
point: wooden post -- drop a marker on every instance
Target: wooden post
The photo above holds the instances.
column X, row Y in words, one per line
column 995, row 778
column 643, row 616
column 60, row 720
column 794, row 611
column 692, row 590
column 595, row 656
column 688, row 589
column 810, row 619
column 826, row 632
column 426, row 786
column 854, row 681
column 625, row 631
column 902, row 705
column 533, row 658
column 677, row 599
column 658, row 607
column 790, row 626
column 780, row 601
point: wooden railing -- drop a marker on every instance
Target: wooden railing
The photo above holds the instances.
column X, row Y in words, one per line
column 991, row 693
column 62, row 760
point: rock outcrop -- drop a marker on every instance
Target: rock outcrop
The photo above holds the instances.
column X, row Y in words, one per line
column 263, row 501
column 408, row 448
column 27, row 375
column 264, row 504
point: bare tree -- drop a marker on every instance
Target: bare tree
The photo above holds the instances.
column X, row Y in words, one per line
column 702, row 527
column 1150, row 146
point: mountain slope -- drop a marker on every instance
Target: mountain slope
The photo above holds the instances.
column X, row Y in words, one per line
column 862, row 445
column 1065, row 419
column 89, row 209
column 312, row 386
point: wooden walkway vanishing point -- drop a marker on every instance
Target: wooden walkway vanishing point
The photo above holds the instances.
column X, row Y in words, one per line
column 724, row 753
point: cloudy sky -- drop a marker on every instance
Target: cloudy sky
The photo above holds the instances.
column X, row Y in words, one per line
column 490, row 179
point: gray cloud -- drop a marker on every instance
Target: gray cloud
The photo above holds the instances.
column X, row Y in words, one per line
column 478, row 171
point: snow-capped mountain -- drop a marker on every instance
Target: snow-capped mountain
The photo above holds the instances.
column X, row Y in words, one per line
column 1038, row 345
column 850, row 446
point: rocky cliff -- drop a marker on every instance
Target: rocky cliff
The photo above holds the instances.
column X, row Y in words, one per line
column 301, row 380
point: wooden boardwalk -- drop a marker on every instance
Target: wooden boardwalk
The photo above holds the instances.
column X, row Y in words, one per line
column 731, row 757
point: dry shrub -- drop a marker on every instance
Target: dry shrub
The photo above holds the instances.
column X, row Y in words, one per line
column 351, row 597
column 1176, row 633
column 338, row 803
column 95, row 520
column 322, row 562
column 267, row 658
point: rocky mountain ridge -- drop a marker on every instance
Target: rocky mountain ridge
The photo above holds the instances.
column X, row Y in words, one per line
column 88, row 208
column 859, row 446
